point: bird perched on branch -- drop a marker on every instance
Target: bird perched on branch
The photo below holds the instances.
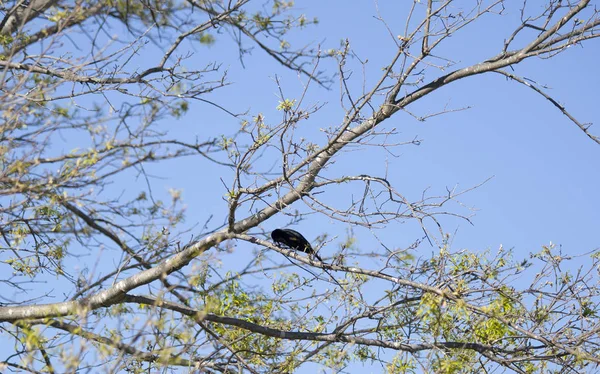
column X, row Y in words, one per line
column 294, row 240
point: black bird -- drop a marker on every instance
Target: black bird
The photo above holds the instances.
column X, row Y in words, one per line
column 293, row 240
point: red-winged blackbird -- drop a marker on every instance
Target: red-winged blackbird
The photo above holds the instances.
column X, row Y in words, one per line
column 293, row 240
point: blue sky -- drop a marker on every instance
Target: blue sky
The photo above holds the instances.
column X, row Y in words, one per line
column 544, row 168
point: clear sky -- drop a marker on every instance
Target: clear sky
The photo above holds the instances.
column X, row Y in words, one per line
column 545, row 170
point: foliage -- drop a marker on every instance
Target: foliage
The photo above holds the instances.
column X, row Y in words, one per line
column 102, row 272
